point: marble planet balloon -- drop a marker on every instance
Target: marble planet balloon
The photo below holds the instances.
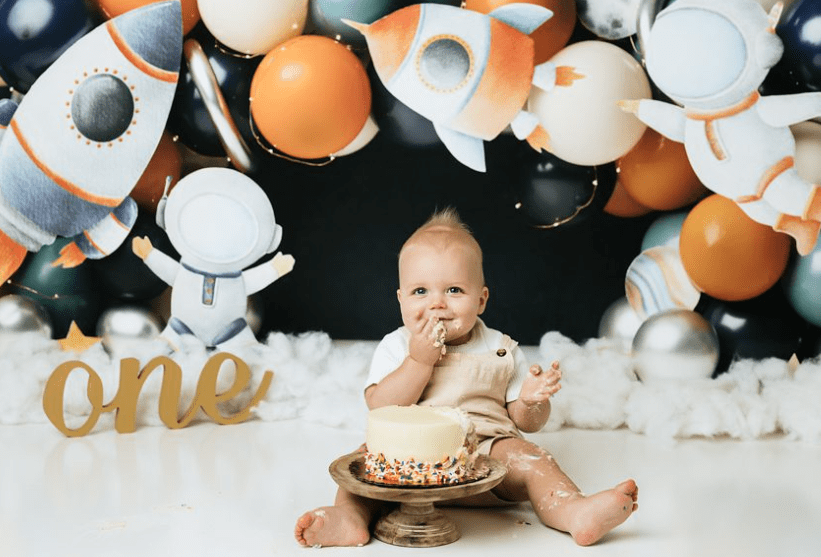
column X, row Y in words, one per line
column 34, row 33
column 19, row 314
column 678, row 345
column 657, row 282
column 125, row 327
column 609, row 19
column 584, row 123
column 254, row 27
column 619, row 323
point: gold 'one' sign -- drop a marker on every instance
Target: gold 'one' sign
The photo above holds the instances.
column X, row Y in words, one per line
column 132, row 379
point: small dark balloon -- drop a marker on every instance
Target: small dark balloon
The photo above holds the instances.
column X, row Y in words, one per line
column 122, row 274
column 551, row 192
column 34, row 33
column 189, row 118
column 762, row 327
column 66, row 294
column 800, row 66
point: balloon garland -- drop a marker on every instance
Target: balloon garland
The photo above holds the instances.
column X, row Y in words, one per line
column 299, row 54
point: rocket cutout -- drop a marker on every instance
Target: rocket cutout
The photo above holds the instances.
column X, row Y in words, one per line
column 710, row 57
column 83, row 135
column 468, row 73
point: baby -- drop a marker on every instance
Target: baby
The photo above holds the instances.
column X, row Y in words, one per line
column 483, row 372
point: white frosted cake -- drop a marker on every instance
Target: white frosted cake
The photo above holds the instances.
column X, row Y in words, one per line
column 418, row 445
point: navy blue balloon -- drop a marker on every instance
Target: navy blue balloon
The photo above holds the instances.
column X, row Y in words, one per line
column 800, row 66
column 66, row 294
column 763, row 327
column 551, row 192
column 34, row 33
column 398, row 123
column 123, row 275
column 189, row 119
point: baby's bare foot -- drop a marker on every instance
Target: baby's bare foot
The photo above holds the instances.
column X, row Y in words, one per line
column 331, row 526
column 598, row 514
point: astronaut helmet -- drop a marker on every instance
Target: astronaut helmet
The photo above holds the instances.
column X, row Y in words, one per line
column 712, row 54
column 220, row 220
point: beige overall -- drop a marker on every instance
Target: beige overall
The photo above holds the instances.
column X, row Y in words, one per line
column 477, row 384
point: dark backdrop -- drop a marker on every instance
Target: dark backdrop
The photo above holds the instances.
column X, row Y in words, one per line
column 345, row 222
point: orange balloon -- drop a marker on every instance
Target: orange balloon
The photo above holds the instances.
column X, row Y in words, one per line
column 310, row 97
column 727, row 254
column 166, row 161
column 657, row 173
column 113, row 8
column 550, row 37
column 621, row 204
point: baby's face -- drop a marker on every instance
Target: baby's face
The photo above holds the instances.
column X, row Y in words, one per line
column 443, row 282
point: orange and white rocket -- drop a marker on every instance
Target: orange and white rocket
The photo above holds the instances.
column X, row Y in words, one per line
column 469, row 73
column 83, row 135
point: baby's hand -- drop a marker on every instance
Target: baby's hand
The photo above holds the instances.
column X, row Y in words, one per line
column 427, row 341
column 540, row 385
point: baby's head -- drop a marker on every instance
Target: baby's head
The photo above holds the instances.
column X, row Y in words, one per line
column 440, row 275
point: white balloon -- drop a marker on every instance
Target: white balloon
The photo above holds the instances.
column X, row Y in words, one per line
column 366, row 134
column 254, row 26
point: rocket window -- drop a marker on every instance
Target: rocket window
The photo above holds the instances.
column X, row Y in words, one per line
column 445, row 63
column 102, row 107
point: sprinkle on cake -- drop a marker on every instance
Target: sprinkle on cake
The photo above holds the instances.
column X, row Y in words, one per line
column 419, row 445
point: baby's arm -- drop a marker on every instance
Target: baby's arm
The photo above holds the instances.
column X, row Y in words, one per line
column 532, row 409
column 405, row 384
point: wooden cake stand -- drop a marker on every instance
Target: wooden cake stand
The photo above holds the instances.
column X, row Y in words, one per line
column 416, row 523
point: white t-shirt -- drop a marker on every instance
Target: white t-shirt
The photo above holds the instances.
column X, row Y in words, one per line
column 393, row 349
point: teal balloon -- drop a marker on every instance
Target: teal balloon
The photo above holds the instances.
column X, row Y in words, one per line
column 802, row 284
column 66, row 294
column 326, row 16
column 663, row 230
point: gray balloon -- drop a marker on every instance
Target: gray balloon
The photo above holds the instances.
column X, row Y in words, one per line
column 127, row 325
column 20, row 314
column 619, row 323
column 677, row 344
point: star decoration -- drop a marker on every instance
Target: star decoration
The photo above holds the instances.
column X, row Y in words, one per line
column 76, row 341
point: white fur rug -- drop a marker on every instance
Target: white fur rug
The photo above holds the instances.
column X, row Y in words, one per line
column 321, row 381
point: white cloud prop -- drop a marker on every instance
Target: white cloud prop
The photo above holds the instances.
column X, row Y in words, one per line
column 321, row 381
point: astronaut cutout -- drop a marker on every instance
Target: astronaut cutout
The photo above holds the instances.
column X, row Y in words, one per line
column 220, row 221
column 711, row 57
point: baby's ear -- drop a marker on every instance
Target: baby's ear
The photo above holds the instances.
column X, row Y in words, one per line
column 483, row 300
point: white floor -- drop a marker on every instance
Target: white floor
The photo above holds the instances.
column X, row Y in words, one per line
column 237, row 490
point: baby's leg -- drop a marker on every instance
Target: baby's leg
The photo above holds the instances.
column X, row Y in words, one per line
column 346, row 523
column 534, row 475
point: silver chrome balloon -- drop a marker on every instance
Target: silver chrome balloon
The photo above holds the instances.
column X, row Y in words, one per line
column 20, row 314
column 677, row 344
column 619, row 323
column 123, row 325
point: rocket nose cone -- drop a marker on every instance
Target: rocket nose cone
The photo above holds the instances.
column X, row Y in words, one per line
column 391, row 37
column 361, row 27
column 154, row 32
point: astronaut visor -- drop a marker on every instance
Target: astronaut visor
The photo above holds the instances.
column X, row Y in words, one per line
column 693, row 53
column 217, row 229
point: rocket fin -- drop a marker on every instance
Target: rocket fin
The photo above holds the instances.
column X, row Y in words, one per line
column 12, row 255
column 544, row 76
column 467, row 149
column 7, row 109
column 524, row 17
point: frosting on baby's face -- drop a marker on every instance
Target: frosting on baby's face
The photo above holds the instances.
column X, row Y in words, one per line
column 440, row 275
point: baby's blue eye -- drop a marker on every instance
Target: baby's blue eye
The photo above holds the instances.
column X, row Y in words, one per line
column 419, row 291
column 455, row 290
